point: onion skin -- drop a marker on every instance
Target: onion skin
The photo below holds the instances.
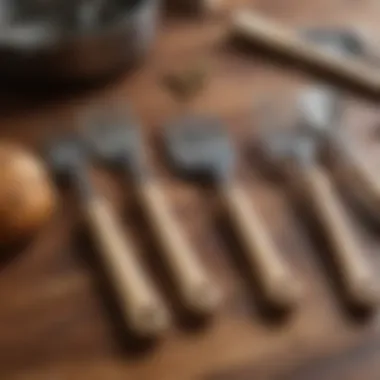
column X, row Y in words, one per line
column 27, row 195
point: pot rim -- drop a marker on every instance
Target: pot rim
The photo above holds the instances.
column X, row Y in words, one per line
column 71, row 38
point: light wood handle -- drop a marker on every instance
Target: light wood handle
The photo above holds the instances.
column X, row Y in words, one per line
column 256, row 28
column 362, row 174
column 279, row 286
column 198, row 292
column 142, row 308
column 355, row 175
column 360, row 285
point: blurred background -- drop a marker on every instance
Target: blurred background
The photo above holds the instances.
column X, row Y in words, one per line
column 289, row 80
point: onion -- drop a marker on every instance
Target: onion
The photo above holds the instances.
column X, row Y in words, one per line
column 27, row 195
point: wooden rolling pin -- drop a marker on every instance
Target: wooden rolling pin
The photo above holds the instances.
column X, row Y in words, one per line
column 259, row 30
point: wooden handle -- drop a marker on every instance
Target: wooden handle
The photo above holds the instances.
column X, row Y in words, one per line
column 278, row 284
column 255, row 28
column 142, row 308
column 196, row 289
column 363, row 175
column 356, row 272
column 355, row 175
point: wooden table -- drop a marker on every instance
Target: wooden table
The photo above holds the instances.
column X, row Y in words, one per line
column 54, row 323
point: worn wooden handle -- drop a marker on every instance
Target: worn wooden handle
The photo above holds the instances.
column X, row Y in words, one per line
column 279, row 286
column 253, row 27
column 360, row 285
column 198, row 292
column 142, row 308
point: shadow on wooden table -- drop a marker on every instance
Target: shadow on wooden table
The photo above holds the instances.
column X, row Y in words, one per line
column 17, row 95
column 182, row 9
column 369, row 218
column 10, row 253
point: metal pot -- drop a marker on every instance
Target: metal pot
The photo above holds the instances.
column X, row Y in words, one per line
column 55, row 49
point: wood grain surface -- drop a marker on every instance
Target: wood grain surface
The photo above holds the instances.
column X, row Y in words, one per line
column 56, row 321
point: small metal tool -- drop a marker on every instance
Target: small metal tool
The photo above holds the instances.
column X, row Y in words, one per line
column 200, row 146
column 143, row 310
column 116, row 139
column 344, row 41
column 323, row 105
column 297, row 149
column 323, row 109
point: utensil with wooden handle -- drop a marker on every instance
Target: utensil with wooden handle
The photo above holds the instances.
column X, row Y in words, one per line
column 196, row 287
column 262, row 255
column 200, row 146
column 137, row 298
column 257, row 29
column 358, row 280
column 320, row 110
column 141, row 307
column 119, row 143
column 296, row 152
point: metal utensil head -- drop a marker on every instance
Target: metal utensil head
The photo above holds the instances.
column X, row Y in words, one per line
column 281, row 137
column 116, row 140
column 64, row 155
column 339, row 41
column 318, row 109
column 288, row 146
column 199, row 146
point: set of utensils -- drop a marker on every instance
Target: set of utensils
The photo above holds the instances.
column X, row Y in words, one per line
column 199, row 146
column 318, row 160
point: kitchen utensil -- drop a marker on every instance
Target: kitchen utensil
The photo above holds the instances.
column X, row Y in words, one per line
column 199, row 145
column 143, row 311
column 118, row 141
column 323, row 109
column 349, row 40
column 255, row 28
column 297, row 151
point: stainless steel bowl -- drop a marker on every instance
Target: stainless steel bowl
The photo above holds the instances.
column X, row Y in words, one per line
column 55, row 49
